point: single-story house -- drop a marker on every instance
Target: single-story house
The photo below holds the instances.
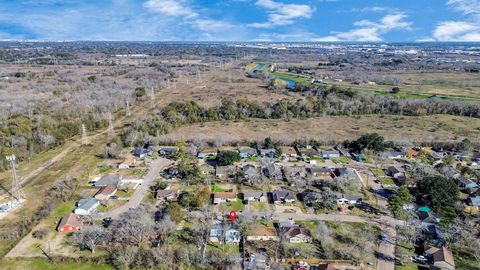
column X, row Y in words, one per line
column 309, row 197
column 267, row 153
column 255, row 196
column 141, row 152
column 309, row 152
column 70, row 223
column 272, row 171
column 207, row 169
column 224, row 171
column 330, row 154
column 283, row 196
column 288, row 151
column 320, row 171
column 437, row 155
column 127, row 163
column 474, row 201
column 396, row 154
column 108, row 179
column 86, row 206
column 396, row 174
column 296, row 172
column 349, row 199
column 167, row 195
column 298, row 235
column 216, row 232
column 250, row 171
column 427, row 218
column 263, row 234
column 476, row 156
column 232, row 236
column 285, row 224
column 220, row 197
column 168, row 150
column 104, row 193
column 462, row 155
column 342, row 171
column 466, row 183
column 209, row 152
column 441, row 258
column 246, row 152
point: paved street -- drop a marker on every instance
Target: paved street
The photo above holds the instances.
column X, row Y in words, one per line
column 154, row 168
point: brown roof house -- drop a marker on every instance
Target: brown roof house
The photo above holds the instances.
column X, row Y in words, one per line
column 288, row 151
column 442, row 258
column 167, row 195
column 263, row 234
column 127, row 163
column 70, row 223
column 297, row 234
column 104, row 193
column 220, row 197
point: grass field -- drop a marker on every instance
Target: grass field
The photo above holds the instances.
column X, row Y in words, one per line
column 396, row 128
column 39, row 264
column 418, row 85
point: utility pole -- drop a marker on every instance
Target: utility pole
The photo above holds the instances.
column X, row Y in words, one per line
column 84, row 135
column 15, row 189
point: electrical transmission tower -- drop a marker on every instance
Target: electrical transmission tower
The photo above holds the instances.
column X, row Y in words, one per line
column 84, row 135
column 15, row 190
column 152, row 98
column 128, row 109
column 110, row 126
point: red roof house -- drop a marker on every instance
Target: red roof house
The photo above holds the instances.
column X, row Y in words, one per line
column 70, row 223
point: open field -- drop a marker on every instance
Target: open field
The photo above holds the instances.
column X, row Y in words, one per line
column 40, row 264
column 339, row 128
column 228, row 83
column 449, row 85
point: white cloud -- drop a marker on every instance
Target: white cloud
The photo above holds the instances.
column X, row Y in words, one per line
column 280, row 14
column 212, row 25
column 465, row 30
column 369, row 31
column 174, row 8
column 375, row 9
column 467, row 7
column 457, row 31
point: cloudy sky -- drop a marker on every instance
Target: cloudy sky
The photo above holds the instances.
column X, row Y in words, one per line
column 241, row 20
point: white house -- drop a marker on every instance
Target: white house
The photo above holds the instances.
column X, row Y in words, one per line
column 86, row 207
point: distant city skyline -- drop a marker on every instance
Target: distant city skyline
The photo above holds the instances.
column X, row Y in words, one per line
column 241, row 20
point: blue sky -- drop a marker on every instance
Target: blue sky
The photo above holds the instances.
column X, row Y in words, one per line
column 241, row 20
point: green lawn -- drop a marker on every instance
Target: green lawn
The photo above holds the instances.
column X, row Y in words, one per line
column 253, row 159
column 235, row 206
column 40, row 264
column 216, row 188
column 410, row 266
column 63, row 209
column 378, row 172
column 341, row 160
column 387, row 181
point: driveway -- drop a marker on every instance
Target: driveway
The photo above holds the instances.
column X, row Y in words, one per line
column 154, row 169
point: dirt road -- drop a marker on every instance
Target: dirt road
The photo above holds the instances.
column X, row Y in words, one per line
column 154, row 169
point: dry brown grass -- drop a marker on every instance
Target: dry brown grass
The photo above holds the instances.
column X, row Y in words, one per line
column 338, row 128
column 216, row 86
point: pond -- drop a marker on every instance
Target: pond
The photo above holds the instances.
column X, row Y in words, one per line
column 290, row 83
column 260, row 67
